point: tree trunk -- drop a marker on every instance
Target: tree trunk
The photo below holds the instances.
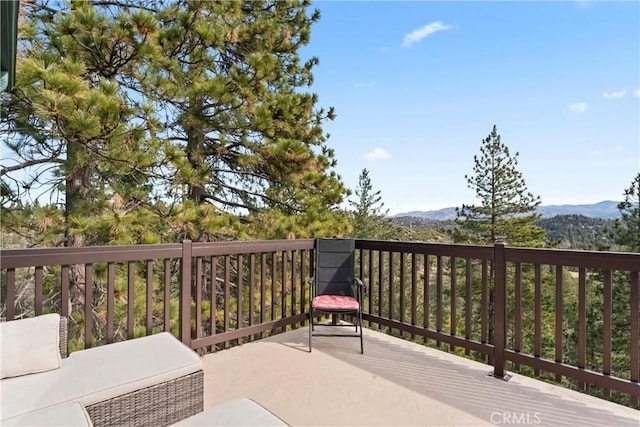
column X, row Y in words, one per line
column 77, row 192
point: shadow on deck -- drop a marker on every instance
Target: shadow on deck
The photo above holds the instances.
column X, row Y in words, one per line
column 395, row 383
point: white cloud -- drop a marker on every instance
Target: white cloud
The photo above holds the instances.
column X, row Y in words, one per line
column 583, row 4
column 367, row 84
column 636, row 93
column 377, row 154
column 417, row 35
column 614, row 95
column 579, row 107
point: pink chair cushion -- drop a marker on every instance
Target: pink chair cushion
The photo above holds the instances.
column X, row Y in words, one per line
column 335, row 302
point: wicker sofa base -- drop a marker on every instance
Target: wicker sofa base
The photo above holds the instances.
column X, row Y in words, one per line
column 160, row 405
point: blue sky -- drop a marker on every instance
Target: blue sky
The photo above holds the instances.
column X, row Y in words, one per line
column 417, row 86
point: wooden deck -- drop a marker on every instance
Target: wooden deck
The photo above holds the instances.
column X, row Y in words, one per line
column 395, row 383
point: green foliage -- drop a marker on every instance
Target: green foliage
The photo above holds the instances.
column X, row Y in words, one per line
column 626, row 230
column 245, row 137
column 74, row 133
column 506, row 210
column 37, row 225
column 162, row 121
column 272, row 224
column 563, row 231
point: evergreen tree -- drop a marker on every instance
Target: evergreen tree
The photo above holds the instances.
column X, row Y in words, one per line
column 247, row 134
column 369, row 215
column 73, row 131
column 506, row 210
column 158, row 121
column 626, row 230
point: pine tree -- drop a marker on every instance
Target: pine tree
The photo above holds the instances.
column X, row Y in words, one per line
column 626, row 230
column 507, row 211
column 158, row 121
column 246, row 134
column 369, row 215
column 73, row 131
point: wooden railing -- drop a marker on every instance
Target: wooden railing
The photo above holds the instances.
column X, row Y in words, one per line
column 475, row 299
column 492, row 303
column 139, row 290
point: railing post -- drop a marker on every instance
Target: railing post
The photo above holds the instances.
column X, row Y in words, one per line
column 185, row 293
column 500, row 308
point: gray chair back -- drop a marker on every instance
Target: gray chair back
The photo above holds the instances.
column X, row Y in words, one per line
column 335, row 266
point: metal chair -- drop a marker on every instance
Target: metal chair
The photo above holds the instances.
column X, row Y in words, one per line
column 335, row 289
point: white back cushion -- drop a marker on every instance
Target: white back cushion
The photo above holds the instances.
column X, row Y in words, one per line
column 29, row 345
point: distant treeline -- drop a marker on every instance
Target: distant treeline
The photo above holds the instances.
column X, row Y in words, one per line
column 578, row 231
column 563, row 231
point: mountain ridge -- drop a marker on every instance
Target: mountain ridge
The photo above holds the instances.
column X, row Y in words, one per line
column 604, row 209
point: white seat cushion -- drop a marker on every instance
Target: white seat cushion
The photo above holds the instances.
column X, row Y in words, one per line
column 237, row 412
column 100, row 373
column 69, row 414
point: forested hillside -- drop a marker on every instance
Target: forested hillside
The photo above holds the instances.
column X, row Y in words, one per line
column 413, row 222
column 563, row 231
column 577, row 231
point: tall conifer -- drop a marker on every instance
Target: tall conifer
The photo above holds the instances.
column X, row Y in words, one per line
column 507, row 210
column 247, row 131
column 158, row 121
column 368, row 211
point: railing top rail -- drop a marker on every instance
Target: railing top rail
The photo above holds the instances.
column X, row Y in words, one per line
column 16, row 258
column 250, row 246
column 627, row 261
column 444, row 249
column 30, row 257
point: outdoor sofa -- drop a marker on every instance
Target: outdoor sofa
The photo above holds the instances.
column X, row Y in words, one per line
column 150, row 381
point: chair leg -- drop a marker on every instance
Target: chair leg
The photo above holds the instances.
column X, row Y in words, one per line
column 310, row 328
column 361, row 338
